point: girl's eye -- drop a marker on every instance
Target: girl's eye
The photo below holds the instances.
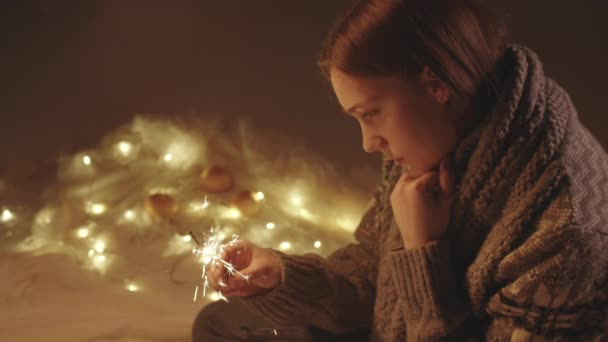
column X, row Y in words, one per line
column 368, row 114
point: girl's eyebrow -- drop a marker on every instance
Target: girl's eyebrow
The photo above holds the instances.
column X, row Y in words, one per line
column 352, row 109
column 359, row 105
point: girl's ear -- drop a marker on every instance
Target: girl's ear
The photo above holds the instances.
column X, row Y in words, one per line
column 434, row 86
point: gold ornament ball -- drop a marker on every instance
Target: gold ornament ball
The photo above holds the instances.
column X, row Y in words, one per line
column 246, row 202
column 161, row 205
column 217, row 179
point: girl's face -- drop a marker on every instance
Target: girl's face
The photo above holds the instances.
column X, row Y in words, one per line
column 407, row 121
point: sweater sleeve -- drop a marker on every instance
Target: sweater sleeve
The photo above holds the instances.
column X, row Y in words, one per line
column 335, row 294
column 434, row 307
column 554, row 288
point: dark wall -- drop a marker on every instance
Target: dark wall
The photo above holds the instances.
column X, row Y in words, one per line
column 73, row 70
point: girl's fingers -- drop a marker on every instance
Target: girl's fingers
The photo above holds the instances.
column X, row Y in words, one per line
column 446, row 176
column 428, row 182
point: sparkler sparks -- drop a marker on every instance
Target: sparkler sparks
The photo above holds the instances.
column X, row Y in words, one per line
column 209, row 253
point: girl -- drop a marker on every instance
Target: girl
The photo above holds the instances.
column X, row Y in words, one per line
column 490, row 221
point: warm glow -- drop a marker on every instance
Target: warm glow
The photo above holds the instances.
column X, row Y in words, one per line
column 285, row 245
column 270, row 225
column 91, row 252
column 129, row 215
column 347, row 223
column 305, row 214
column 221, row 235
column 296, row 199
column 199, row 206
column 317, row 244
column 96, row 208
column 259, row 196
column 83, row 232
column 99, row 260
column 214, row 296
column 187, row 238
column 125, row 148
column 132, row 287
column 44, row 216
column 232, row 213
column 7, row 215
column 86, row 160
column 168, row 157
column 99, row 246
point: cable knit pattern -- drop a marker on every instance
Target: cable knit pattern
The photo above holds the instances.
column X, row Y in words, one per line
column 526, row 253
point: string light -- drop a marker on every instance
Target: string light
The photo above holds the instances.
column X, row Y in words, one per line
column 285, row 245
column 82, row 233
column 296, row 199
column 129, row 215
column 86, row 160
column 7, row 215
column 168, row 157
column 132, row 287
column 96, row 208
column 91, row 252
column 99, row 246
column 270, row 225
column 259, row 196
column 125, row 148
column 317, row 244
column 187, row 238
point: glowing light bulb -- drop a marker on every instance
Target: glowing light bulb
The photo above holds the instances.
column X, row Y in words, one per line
column 168, row 157
column 99, row 246
column 296, row 199
column 96, row 208
column 317, row 244
column 125, row 148
column 129, row 215
column 285, row 245
column 86, row 160
column 132, row 287
column 91, row 252
column 187, row 238
column 83, row 232
column 7, row 215
column 259, row 196
column 270, row 225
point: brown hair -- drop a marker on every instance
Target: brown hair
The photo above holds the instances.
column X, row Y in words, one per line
column 460, row 40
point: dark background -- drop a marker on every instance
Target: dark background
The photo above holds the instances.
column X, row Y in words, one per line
column 70, row 71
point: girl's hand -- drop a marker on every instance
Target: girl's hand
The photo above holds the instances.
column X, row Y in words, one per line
column 260, row 267
column 422, row 206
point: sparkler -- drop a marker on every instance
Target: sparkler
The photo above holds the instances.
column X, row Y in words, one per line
column 209, row 253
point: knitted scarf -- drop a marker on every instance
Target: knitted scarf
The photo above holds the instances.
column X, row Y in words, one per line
column 504, row 171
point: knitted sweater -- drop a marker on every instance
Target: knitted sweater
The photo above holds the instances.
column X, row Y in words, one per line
column 526, row 251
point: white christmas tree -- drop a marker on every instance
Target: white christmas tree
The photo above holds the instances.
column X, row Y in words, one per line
column 109, row 252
